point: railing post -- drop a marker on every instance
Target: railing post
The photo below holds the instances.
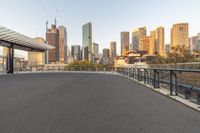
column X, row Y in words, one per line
column 138, row 74
column 158, row 79
column 171, row 84
column 148, row 81
column 145, row 76
column 135, row 74
column 129, row 72
column 154, row 78
column 176, row 87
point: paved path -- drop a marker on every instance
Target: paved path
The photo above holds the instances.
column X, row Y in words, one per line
column 88, row 103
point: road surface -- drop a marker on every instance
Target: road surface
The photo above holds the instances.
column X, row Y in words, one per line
column 88, row 103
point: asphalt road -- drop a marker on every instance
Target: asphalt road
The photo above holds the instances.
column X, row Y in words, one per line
column 88, row 103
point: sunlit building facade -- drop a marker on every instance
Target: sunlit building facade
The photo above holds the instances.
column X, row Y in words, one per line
column 62, row 44
column 113, row 50
column 87, row 42
column 124, row 43
column 36, row 58
column 180, row 35
column 137, row 36
column 144, row 44
column 157, row 41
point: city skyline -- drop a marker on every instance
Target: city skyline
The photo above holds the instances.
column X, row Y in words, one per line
column 107, row 24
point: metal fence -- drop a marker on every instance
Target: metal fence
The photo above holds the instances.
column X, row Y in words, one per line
column 180, row 82
column 58, row 68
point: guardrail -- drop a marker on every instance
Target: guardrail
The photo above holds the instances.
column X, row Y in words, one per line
column 62, row 69
column 169, row 78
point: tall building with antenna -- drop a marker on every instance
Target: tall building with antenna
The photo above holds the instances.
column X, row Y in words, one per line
column 52, row 37
column 57, row 37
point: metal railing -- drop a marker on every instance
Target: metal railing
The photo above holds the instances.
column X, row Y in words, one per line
column 180, row 82
column 62, row 69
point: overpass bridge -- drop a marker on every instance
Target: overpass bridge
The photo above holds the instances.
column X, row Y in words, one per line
column 13, row 40
column 89, row 102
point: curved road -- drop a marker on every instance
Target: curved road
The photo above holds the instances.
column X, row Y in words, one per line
column 88, row 103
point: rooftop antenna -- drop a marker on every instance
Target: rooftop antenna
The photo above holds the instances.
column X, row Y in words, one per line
column 46, row 24
column 55, row 17
column 55, row 21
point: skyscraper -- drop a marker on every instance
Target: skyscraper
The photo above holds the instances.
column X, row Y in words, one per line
column 195, row 42
column 95, row 50
column 57, row 37
column 137, row 36
column 87, row 42
column 157, row 41
column 52, row 37
column 144, row 45
column 76, row 52
column 62, row 44
column 124, row 43
column 113, row 50
column 106, row 53
column 179, row 35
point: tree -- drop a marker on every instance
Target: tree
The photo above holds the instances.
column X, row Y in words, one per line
column 158, row 59
column 83, row 65
column 180, row 55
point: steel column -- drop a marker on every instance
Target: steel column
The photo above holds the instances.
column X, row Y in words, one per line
column 10, row 60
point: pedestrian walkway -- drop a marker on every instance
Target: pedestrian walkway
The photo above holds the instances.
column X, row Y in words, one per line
column 88, row 103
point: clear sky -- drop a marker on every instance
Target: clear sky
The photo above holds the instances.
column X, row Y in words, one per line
column 109, row 17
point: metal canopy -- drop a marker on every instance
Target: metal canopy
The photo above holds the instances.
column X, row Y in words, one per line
column 9, row 37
